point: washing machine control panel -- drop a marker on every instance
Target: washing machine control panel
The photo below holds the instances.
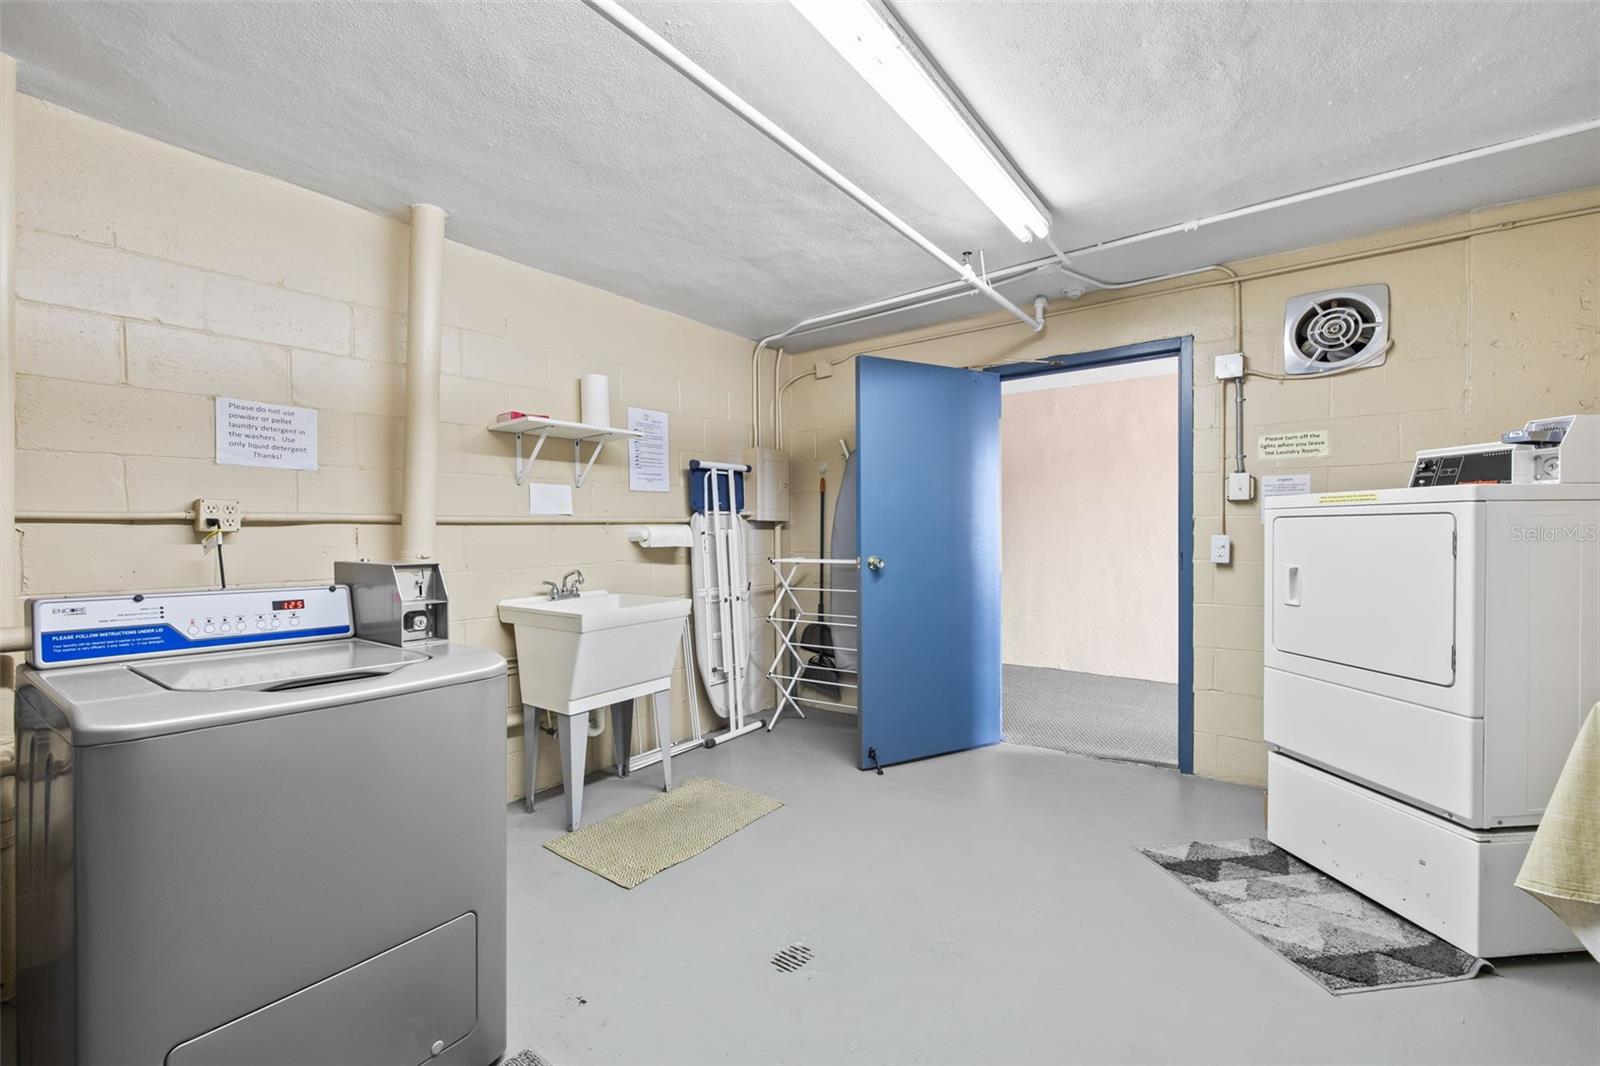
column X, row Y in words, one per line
column 77, row 630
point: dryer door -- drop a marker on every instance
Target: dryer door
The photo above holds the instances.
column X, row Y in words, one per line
column 1375, row 591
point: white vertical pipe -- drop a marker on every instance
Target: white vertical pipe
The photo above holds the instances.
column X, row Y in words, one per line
column 424, row 324
column 10, row 576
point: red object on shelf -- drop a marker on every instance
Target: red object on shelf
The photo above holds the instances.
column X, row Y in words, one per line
column 512, row 416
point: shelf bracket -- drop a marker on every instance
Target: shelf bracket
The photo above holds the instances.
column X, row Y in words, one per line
column 525, row 466
column 580, row 475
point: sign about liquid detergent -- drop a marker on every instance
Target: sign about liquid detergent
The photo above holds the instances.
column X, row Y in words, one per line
column 251, row 433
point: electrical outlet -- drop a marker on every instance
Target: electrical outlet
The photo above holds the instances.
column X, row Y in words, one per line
column 1221, row 549
column 1241, row 487
column 1230, row 367
column 223, row 515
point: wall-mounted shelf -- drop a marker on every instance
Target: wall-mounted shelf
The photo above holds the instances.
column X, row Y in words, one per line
column 543, row 429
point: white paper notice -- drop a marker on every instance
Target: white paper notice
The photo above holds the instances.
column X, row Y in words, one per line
column 546, row 498
column 647, row 454
column 1285, row 484
column 250, row 433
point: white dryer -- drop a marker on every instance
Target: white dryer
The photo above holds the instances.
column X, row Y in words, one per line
column 1430, row 654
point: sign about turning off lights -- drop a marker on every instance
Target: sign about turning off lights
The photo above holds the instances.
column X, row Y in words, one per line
column 251, row 433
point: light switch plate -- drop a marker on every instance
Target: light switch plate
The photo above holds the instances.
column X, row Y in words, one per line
column 1221, row 549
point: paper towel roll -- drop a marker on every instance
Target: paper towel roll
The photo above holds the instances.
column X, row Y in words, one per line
column 660, row 536
column 594, row 400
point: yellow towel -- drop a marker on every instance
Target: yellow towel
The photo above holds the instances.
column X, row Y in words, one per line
column 1562, row 869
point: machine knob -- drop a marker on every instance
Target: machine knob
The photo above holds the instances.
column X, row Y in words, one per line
column 874, row 563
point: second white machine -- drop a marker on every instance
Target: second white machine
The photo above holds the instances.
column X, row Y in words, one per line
column 1429, row 658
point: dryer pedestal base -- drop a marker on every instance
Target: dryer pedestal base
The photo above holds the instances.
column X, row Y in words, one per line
column 1456, row 883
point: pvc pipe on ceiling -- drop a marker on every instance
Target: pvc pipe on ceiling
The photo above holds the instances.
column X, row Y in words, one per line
column 933, row 294
column 630, row 25
column 424, row 326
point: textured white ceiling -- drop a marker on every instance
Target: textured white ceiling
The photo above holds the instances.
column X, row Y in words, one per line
column 554, row 140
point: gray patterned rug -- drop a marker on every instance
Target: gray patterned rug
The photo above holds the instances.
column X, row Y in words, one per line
column 524, row 1058
column 1332, row 934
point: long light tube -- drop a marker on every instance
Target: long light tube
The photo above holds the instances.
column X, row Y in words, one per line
column 859, row 34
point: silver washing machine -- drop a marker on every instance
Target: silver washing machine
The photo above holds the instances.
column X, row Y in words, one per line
column 245, row 836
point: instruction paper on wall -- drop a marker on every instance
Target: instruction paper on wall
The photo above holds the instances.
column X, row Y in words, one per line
column 548, row 498
column 647, row 453
column 1283, row 485
column 252, row 433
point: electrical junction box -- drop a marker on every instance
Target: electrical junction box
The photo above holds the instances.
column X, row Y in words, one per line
column 769, row 502
column 1230, row 367
column 1241, row 487
column 222, row 516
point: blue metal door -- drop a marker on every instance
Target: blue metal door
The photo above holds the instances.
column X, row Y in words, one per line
column 928, row 506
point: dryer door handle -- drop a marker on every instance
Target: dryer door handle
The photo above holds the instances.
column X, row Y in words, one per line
column 1291, row 585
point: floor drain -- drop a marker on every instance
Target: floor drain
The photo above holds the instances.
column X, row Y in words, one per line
column 792, row 958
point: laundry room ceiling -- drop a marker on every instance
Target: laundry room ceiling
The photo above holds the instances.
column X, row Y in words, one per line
column 553, row 139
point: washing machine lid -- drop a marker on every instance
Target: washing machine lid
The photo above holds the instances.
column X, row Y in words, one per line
column 277, row 669
column 109, row 703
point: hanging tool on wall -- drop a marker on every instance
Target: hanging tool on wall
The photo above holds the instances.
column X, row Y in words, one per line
column 822, row 672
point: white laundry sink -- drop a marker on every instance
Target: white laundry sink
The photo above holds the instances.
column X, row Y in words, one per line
column 577, row 654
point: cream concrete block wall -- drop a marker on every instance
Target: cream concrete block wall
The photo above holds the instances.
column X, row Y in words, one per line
column 151, row 280
column 1491, row 327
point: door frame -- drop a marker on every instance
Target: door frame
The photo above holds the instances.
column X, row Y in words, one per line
column 1182, row 349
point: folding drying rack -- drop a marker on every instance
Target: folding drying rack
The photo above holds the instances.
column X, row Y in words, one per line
column 787, row 629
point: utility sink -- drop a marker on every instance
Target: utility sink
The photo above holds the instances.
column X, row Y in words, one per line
column 580, row 653
column 593, row 650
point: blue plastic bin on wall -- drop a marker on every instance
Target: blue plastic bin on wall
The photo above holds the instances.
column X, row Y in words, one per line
column 697, row 488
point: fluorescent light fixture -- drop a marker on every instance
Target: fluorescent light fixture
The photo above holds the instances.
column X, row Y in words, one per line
column 859, row 33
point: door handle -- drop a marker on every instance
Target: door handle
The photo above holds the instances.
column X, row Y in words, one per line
column 1291, row 591
column 874, row 563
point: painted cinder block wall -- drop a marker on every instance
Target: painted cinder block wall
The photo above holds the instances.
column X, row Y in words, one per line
column 1088, row 509
column 151, row 279
column 1490, row 329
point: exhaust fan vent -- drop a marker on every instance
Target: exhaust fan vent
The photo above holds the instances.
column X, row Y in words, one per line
column 1340, row 329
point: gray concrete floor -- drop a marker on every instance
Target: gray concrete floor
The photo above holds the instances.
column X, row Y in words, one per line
column 1110, row 717
column 981, row 907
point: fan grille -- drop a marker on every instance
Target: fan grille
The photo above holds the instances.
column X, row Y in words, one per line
column 1335, row 330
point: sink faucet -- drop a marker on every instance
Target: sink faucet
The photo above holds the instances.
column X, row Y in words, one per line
column 571, row 583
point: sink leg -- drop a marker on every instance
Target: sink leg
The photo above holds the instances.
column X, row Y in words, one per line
column 530, row 753
column 622, row 734
column 574, row 734
column 662, row 703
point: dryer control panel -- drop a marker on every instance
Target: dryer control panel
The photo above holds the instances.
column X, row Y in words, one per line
column 1546, row 451
column 78, row 630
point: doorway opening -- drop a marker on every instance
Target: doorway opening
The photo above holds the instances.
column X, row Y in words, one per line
column 1096, row 534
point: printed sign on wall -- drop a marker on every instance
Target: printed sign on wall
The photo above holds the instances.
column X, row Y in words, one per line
column 647, row 454
column 1285, row 484
column 1304, row 444
column 251, row 433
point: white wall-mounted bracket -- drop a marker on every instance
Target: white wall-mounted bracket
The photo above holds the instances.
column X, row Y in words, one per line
column 542, row 429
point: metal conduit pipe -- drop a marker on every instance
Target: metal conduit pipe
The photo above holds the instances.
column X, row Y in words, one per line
column 424, row 327
column 623, row 20
column 935, row 294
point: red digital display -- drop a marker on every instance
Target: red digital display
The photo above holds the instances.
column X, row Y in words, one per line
column 288, row 605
